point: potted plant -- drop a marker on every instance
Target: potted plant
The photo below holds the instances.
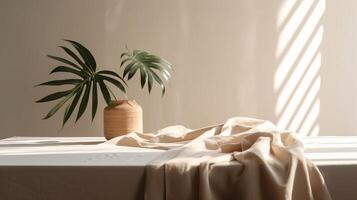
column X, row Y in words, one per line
column 120, row 116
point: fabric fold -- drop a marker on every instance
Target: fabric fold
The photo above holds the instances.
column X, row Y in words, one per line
column 244, row 158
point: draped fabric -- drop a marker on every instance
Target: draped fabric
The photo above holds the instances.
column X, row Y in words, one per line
column 244, row 158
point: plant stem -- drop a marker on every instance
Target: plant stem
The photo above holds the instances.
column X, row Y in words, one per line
column 111, row 92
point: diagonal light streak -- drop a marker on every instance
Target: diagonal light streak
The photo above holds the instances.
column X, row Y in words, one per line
column 310, row 119
column 304, row 108
column 299, row 93
column 297, row 46
column 292, row 25
column 298, row 72
column 284, row 11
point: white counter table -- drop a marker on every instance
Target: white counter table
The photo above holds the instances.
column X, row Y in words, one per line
column 68, row 168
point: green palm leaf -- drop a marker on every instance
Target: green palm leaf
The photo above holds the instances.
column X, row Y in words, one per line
column 58, row 105
column 113, row 81
column 62, row 82
column 152, row 68
column 65, row 61
column 85, row 54
column 85, row 99
column 70, row 108
column 106, row 72
column 83, row 68
column 94, row 99
column 54, row 96
column 66, row 69
column 105, row 91
column 73, row 55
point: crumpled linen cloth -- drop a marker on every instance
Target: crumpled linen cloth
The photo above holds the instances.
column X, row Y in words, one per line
column 244, row 159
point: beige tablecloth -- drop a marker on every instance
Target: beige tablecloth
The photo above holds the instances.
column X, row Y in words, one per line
column 244, row 158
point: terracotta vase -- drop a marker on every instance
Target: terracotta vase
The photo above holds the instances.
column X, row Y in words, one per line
column 122, row 117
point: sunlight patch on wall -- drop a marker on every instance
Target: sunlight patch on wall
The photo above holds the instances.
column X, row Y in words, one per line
column 284, row 12
column 292, row 25
column 297, row 80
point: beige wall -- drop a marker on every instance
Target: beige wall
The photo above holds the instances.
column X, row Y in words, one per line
column 224, row 56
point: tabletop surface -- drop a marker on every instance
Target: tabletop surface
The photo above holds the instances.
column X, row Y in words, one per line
column 72, row 151
column 93, row 151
